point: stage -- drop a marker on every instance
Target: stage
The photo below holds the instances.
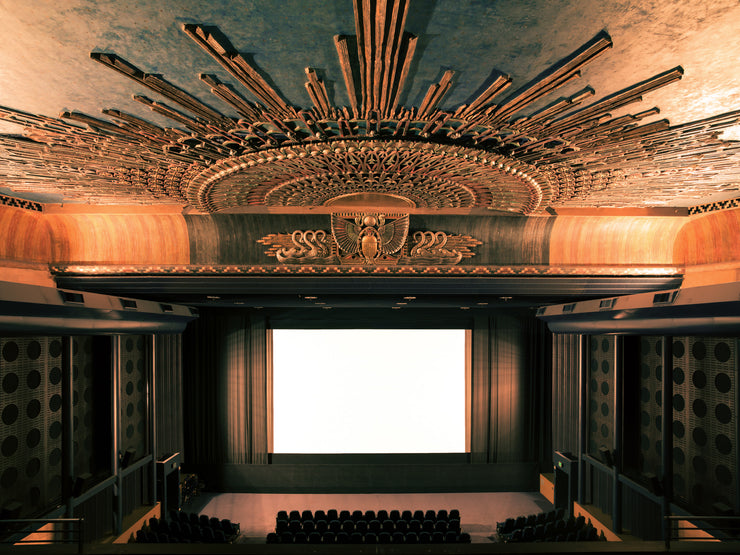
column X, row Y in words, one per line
column 479, row 512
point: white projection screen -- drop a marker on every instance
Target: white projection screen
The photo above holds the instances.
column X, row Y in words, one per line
column 368, row 391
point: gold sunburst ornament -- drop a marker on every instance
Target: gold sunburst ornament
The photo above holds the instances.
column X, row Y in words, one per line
column 520, row 151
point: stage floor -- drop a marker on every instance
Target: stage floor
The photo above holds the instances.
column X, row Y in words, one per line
column 479, row 512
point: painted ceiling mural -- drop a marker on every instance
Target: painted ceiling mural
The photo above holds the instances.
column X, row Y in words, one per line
column 521, row 148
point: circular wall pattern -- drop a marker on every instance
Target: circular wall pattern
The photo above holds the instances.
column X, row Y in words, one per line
column 55, row 403
column 33, row 409
column 33, row 438
column 678, row 349
column 699, row 350
column 723, row 413
column 10, row 382
column 33, row 379
column 722, row 382
column 723, row 474
column 10, row 351
column 723, row 444
column 55, row 348
column 699, row 379
column 33, row 350
column 699, row 436
column 32, row 467
column 722, row 351
column 9, row 446
column 10, row 414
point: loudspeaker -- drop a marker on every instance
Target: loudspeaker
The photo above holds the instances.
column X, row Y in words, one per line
column 128, row 457
column 81, row 483
column 654, row 483
column 606, row 456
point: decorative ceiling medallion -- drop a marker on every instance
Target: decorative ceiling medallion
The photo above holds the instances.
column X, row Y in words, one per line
column 369, row 238
column 427, row 174
column 520, row 151
column 376, row 200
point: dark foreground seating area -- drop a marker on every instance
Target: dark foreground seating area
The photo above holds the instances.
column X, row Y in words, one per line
column 549, row 526
column 183, row 527
column 368, row 527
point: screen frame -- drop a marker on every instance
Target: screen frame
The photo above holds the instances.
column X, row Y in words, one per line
column 377, row 458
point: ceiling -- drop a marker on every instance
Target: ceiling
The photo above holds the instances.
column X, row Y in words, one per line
column 433, row 155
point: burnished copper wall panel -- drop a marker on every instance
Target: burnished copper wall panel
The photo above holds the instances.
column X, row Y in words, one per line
column 614, row 240
column 119, row 238
column 24, row 235
column 172, row 239
column 710, row 238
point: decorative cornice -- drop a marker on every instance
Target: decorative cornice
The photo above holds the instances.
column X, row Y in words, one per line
column 21, row 203
column 362, row 270
column 715, row 206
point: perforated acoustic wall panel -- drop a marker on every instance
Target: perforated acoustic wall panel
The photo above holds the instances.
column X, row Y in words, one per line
column 704, row 421
column 601, row 394
column 133, row 395
column 31, row 403
column 83, row 404
column 651, row 390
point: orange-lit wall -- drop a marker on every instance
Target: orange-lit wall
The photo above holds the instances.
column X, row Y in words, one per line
column 119, row 238
column 630, row 240
column 155, row 238
column 24, row 236
column 710, row 239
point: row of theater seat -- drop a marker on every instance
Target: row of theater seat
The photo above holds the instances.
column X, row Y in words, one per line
column 185, row 527
column 369, row 538
column 394, row 515
column 550, row 532
column 368, row 527
column 544, row 527
column 364, row 526
column 520, row 522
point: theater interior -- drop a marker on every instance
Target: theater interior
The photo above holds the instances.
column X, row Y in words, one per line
column 558, row 180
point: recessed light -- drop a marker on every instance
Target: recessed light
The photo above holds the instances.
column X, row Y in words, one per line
column 409, row 298
column 396, row 307
column 400, row 303
column 319, row 302
column 326, row 307
column 213, row 297
column 310, row 297
column 464, row 308
column 482, row 304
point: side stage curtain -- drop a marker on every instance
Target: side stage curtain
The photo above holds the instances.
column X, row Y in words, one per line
column 228, row 389
column 168, row 391
column 510, row 384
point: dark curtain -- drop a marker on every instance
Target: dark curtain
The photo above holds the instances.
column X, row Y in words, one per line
column 509, row 389
column 566, row 354
column 228, row 389
column 168, row 392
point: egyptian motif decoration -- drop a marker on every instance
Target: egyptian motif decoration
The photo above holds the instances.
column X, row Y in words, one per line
column 369, row 239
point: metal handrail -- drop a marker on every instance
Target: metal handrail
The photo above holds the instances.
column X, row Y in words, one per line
column 76, row 535
column 703, row 528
